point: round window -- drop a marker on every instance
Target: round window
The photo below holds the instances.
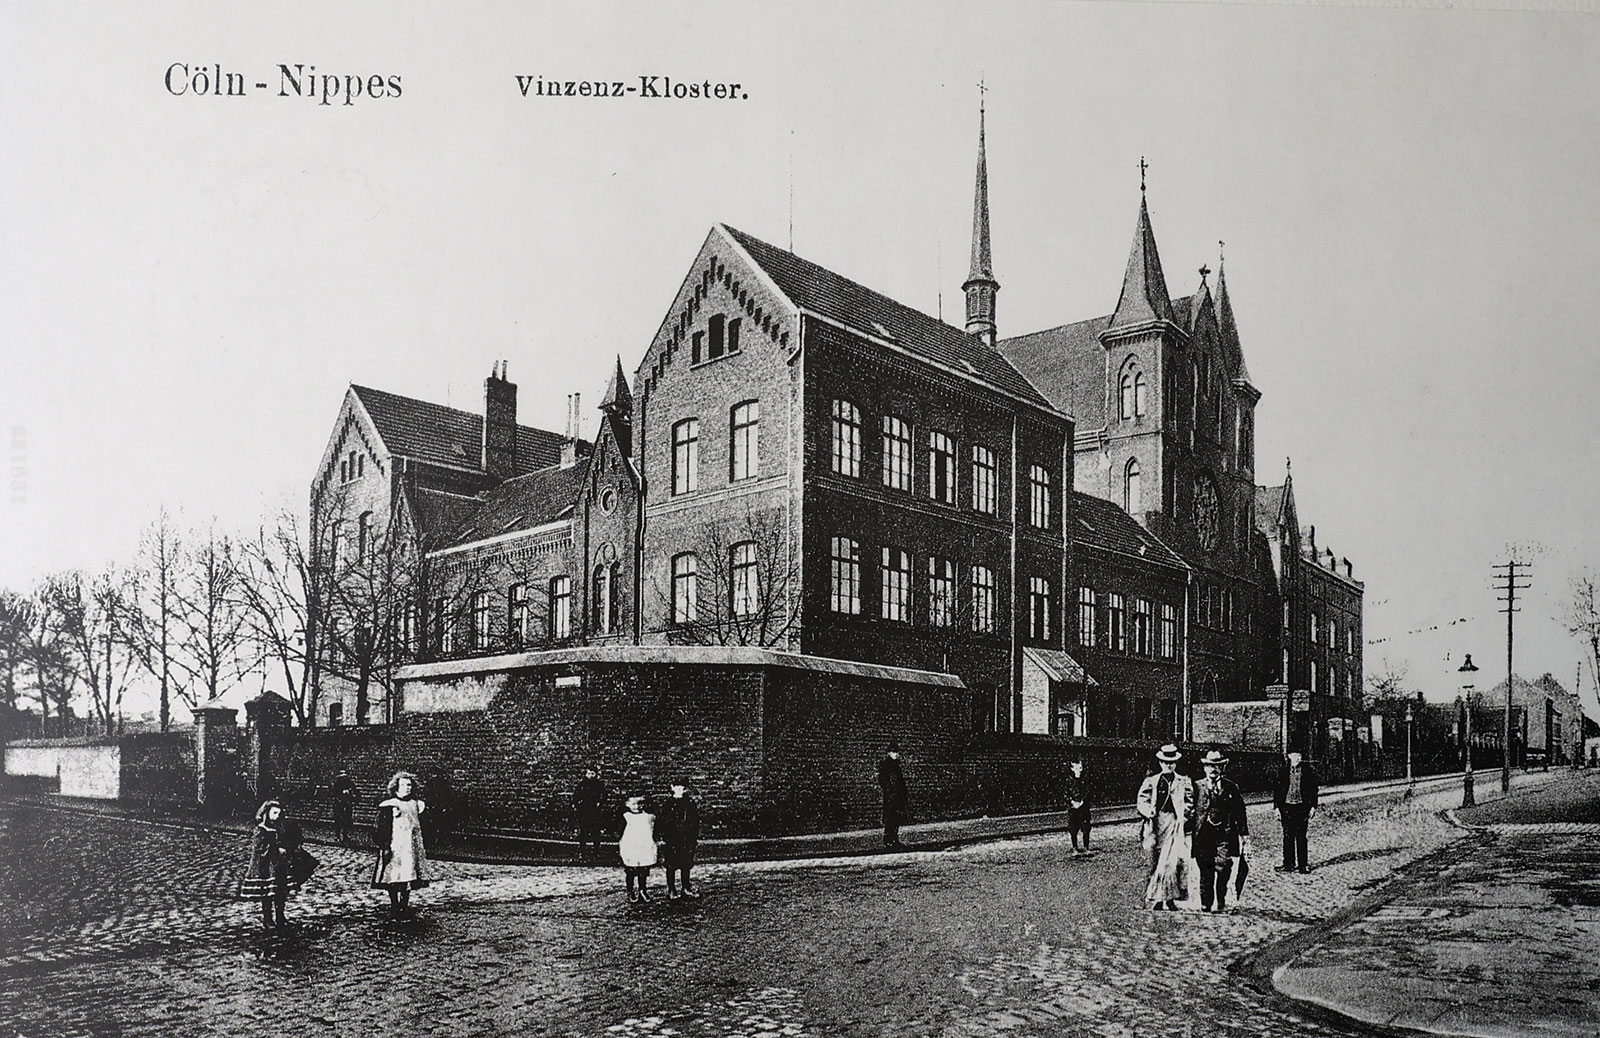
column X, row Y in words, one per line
column 608, row 500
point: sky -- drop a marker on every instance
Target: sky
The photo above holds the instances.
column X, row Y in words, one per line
column 1408, row 196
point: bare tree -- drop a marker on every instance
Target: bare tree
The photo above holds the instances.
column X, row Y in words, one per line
column 16, row 621
column 86, row 616
column 746, row 586
column 212, row 650
column 1389, row 686
column 284, row 602
column 1583, row 614
column 50, row 658
column 150, row 624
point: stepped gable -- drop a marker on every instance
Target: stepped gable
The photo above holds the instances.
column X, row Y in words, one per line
column 822, row 292
column 442, row 435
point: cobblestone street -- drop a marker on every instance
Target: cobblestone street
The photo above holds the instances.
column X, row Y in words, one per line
column 120, row 927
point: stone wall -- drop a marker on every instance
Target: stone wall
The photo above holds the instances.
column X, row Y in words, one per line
column 158, row 770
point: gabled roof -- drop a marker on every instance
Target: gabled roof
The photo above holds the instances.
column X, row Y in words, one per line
column 438, row 513
column 1144, row 288
column 1068, row 365
column 522, row 503
column 443, row 435
column 835, row 297
column 1269, row 509
column 1101, row 524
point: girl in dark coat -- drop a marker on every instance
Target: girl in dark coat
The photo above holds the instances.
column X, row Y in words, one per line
column 267, row 877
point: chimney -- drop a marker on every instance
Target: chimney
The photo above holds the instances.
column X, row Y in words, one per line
column 569, row 447
column 499, row 424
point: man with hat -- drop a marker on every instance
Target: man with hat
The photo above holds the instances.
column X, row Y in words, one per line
column 1164, row 803
column 1221, row 831
column 892, row 781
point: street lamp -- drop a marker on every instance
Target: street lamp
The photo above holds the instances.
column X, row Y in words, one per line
column 1467, row 669
column 1408, row 740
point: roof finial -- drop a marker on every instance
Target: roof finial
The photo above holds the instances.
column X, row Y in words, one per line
column 982, row 90
column 1143, row 165
column 1288, row 463
column 1220, row 257
column 1204, row 270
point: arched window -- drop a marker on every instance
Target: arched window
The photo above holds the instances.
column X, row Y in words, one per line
column 1131, row 395
column 1139, row 394
column 1125, row 396
column 1130, row 487
column 846, row 438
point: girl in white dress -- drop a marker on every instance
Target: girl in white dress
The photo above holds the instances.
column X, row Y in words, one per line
column 637, row 847
column 402, row 860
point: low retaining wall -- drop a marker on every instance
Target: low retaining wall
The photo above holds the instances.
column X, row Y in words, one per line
column 80, row 767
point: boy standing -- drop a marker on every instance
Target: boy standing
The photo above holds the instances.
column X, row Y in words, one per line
column 1078, row 809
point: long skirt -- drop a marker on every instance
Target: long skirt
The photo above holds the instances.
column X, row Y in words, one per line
column 1169, row 873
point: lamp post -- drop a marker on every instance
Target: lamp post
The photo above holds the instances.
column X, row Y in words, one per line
column 1467, row 797
column 1408, row 740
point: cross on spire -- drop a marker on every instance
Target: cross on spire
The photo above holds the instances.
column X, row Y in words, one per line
column 982, row 90
column 1143, row 165
column 1220, row 246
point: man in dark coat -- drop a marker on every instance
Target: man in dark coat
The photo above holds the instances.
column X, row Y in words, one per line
column 1295, row 799
column 591, row 804
column 1220, row 831
column 678, row 826
column 892, row 781
column 343, row 789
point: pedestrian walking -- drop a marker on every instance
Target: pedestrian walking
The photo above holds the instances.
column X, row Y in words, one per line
column 1078, row 808
column 1295, row 799
column 402, row 855
column 678, row 825
column 1164, row 802
column 590, row 803
column 277, row 865
column 638, row 848
column 1221, row 831
column 892, row 781
column 343, row 791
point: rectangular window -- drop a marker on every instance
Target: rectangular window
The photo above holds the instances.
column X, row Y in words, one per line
column 1086, row 623
column 744, row 592
column 1141, row 627
column 408, row 630
column 1039, row 609
column 714, row 337
column 941, row 592
column 896, row 589
column 985, row 479
column 443, row 635
column 560, row 608
column 1313, row 628
column 845, row 583
column 733, row 334
column 982, row 600
column 745, row 422
column 1169, row 632
column 896, row 453
column 685, row 589
column 686, row 456
column 846, row 455
column 1039, row 497
column 941, row 468
column 364, row 538
column 1116, row 631
column 696, row 350
column 517, row 614
column 480, row 620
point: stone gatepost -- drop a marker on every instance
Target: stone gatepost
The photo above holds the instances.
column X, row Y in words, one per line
column 216, row 758
column 266, row 728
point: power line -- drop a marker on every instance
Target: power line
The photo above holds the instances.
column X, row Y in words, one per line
column 1511, row 581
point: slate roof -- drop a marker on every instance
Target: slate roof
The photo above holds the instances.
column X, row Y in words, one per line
column 443, row 435
column 1068, row 365
column 1099, row 523
column 437, row 513
column 821, row 291
column 522, row 503
column 1269, row 503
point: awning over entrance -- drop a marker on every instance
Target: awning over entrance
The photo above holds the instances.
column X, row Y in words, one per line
column 1059, row 666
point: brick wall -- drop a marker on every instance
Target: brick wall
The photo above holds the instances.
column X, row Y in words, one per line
column 158, row 769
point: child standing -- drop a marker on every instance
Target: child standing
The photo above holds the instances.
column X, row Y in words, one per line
column 638, row 848
column 1078, row 808
column 680, row 834
column 402, row 859
column 268, row 877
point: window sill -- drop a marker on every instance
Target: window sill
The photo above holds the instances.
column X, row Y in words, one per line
column 696, row 365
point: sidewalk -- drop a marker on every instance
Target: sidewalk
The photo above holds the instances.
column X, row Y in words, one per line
column 1495, row 936
column 510, row 848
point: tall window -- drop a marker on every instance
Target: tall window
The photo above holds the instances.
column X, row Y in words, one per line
column 686, row 456
column 1333, row 634
column 845, row 578
column 896, row 453
column 714, row 330
column 364, row 538
column 984, row 480
column 896, row 589
column 1086, row 624
column 685, row 590
column 1139, row 392
column 941, row 468
column 335, row 714
column 744, row 594
column 517, row 614
column 1313, row 628
column 480, row 620
column 1313, row 676
column 1116, row 632
column 1141, row 626
column 733, row 334
column 1039, row 496
column 443, row 629
column 1125, row 396
column 982, row 599
column 746, row 427
column 1130, row 487
column 408, row 629
column 1285, row 666
column 1039, row 609
column 1169, row 632
column 941, row 592
column 600, row 600
column 846, row 438
column 560, row 608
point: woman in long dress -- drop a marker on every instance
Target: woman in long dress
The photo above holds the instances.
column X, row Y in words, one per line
column 1164, row 802
column 402, row 858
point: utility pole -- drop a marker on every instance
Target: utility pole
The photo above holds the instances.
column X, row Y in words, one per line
column 1510, row 585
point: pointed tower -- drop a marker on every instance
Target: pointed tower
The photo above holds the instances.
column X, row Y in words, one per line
column 1144, row 288
column 980, row 286
column 1225, row 322
column 1246, row 395
column 617, row 406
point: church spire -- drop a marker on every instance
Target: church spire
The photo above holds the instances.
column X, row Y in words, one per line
column 1225, row 322
column 1144, row 288
column 980, row 285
